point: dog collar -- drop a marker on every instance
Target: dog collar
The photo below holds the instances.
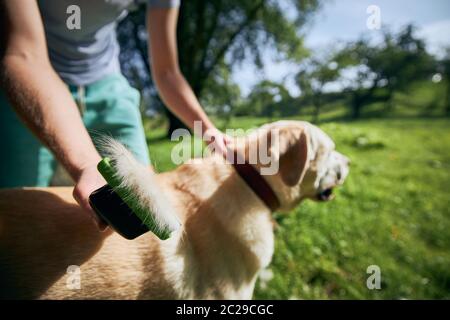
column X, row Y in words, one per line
column 256, row 182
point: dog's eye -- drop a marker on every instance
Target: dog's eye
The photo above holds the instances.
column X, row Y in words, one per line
column 339, row 175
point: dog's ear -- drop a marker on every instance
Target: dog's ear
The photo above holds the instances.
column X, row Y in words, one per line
column 287, row 145
column 293, row 154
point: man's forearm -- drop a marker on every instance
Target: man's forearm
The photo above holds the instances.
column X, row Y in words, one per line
column 181, row 100
column 44, row 103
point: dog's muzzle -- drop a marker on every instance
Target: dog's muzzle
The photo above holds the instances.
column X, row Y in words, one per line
column 325, row 195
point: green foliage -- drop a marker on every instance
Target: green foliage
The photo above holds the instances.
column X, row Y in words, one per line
column 214, row 36
column 313, row 78
column 266, row 99
column 393, row 65
column 399, row 59
column 444, row 68
column 393, row 211
column 222, row 95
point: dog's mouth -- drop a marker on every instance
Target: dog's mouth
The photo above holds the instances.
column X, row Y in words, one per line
column 325, row 195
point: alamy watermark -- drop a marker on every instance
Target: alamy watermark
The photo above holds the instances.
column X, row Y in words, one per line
column 261, row 149
column 73, row 281
column 374, row 280
column 73, row 21
column 373, row 22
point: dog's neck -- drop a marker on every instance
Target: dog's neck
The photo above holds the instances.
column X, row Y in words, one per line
column 256, row 182
column 224, row 220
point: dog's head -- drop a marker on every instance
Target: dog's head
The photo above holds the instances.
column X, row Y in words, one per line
column 307, row 165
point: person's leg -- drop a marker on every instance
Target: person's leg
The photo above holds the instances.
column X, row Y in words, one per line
column 24, row 161
column 112, row 108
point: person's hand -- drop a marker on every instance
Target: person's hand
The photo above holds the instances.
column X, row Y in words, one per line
column 217, row 141
column 88, row 181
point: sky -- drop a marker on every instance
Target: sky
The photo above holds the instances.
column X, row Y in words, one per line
column 345, row 20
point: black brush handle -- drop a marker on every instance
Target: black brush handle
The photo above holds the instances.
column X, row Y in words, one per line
column 111, row 208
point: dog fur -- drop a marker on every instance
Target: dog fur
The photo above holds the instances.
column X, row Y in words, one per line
column 226, row 237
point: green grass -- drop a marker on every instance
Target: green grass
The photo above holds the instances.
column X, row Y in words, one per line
column 393, row 211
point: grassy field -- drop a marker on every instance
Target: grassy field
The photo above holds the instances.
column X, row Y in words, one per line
column 394, row 212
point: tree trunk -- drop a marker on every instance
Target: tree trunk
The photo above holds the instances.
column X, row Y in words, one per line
column 174, row 123
column 317, row 107
column 390, row 100
column 447, row 99
column 361, row 97
column 356, row 106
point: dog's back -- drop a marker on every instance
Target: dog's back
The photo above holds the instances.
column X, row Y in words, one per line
column 44, row 237
column 40, row 232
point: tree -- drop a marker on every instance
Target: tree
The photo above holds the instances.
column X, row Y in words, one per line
column 223, row 96
column 391, row 65
column 221, row 34
column 266, row 99
column 444, row 68
column 313, row 78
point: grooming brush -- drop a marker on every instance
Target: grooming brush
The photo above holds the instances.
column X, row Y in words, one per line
column 131, row 202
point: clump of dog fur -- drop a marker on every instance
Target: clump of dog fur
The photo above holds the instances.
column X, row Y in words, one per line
column 139, row 182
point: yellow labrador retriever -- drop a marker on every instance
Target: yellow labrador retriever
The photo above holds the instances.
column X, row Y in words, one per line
column 49, row 249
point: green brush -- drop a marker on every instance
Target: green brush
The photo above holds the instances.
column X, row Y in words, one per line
column 129, row 202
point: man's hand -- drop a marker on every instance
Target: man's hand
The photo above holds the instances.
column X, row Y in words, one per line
column 89, row 180
column 217, row 141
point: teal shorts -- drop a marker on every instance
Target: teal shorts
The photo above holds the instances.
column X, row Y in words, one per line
column 109, row 106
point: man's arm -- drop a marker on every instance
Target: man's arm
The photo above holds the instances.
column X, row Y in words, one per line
column 172, row 86
column 40, row 97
